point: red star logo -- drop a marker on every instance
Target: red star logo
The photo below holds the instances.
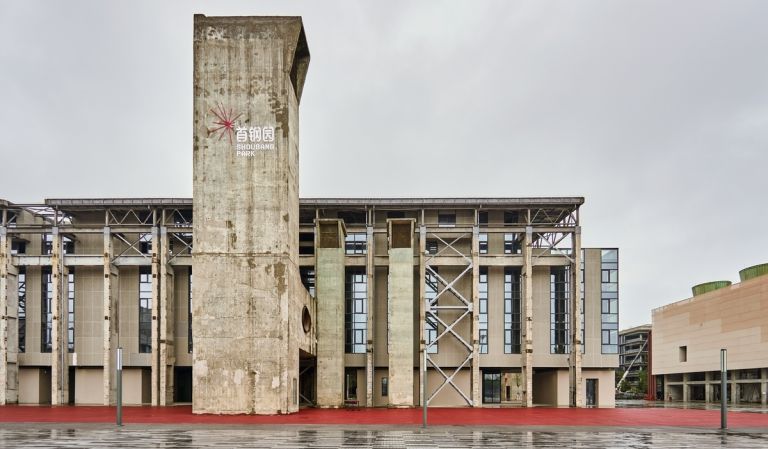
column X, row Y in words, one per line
column 225, row 122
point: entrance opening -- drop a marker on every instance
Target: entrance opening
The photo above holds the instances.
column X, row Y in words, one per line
column 307, row 380
column 350, row 384
column 71, row 382
column 491, row 387
column 591, row 392
column 182, row 380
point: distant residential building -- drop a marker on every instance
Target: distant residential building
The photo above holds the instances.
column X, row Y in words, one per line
column 688, row 336
column 634, row 350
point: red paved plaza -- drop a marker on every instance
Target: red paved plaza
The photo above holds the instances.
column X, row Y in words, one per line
column 619, row 417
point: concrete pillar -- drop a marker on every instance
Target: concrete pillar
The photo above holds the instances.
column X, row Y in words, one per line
column 155, row 326
column 422, row 307
column 576, row 384
column 400, row 310
column 248, row 77
column 370, row 269
column 735, row 388
column 329, row 291
column 109, row 305
column 526, row 348
column 167, row 320
column 686, row 391
column 708, row 387
column 9, row 382
column 764, row 386
column 666, row 388
column 58, row 318
column 476, row 377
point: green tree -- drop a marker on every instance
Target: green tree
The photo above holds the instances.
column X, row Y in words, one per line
column 642, row 383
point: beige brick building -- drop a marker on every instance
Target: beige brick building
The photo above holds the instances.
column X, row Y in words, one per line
column 688, row 336
column 247, row 299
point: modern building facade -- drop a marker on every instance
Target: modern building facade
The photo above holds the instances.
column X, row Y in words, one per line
column 634, row 360
column 689, row 334
column 247, row 299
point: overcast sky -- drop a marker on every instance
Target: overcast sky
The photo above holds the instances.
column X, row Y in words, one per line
column 656, row 112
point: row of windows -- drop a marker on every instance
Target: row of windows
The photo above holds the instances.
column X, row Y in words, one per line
column 559, row 338
column 511, row 243
column 609, row 302
column 483, row 313
column 356, row 311
column 512, row 311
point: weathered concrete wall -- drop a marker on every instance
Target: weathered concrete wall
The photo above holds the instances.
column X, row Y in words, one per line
column 330, row 326
column 248, row 73
column 401, row 350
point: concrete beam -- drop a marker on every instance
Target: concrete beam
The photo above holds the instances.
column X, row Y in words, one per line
column 400, row 311
column 109, row 305
column 371, row 293
column 58, row 313
column 329, row 290
column 575, row 375
column 422, row 311
column 167, row 310
column 526, row 352
column 8, row 323
column 156, row 287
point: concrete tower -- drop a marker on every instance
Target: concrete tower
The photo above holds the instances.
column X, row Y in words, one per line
column 251, row 316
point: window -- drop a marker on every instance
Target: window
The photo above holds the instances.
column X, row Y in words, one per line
column 71, row 310
column 356, row 311
column 306, row 243
column 308, row 279
column 46, row 314
column 511, row 244
column 430, row 324
column 384, row 386
column 18, row 247
column 46, row 246
column 189, row 312
column 609, row 302
column 559, row 311
column 22, row 316
column 683, row 353
column 482, row 218
column 512, row 309
column 511, row 217
column 483, row 315
column 145, row 243
column 431, row 246
column 352, row 217
column 145, row 309
column 446, row 220
column 356, row 243
column 482, row 240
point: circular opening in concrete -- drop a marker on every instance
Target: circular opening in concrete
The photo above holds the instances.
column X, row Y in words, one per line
column 306, row 320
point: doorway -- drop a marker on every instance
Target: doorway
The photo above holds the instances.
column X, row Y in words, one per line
column 71, row 385
column 591, row 392
column 491, row 387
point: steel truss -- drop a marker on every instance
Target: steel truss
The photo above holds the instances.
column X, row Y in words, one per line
column 462, row 305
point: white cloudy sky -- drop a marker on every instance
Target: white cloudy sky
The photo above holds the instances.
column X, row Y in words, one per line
column 655, row 111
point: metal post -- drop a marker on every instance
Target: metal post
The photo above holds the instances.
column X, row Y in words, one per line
column 119, row 380
column 723, row 389
column 424, row 398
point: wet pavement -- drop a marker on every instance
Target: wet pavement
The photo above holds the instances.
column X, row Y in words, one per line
column 291, row 436
column 640, row 403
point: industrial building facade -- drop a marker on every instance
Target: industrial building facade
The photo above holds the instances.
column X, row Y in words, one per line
column 246, row 299
column 689, row 334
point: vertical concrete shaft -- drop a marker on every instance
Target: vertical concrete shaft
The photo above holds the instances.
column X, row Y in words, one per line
column 57, row 353
column 422, row 308
column 526, row 352
column 576, row 384
column 167, row 320
column 400, row 311
column 708, row 396
column 476, row 377
column 110, row 320
column 369, row 356
column 329, row 291
column 155, row 328
column 764, row 387
column 8, row 322
column 248, row 77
